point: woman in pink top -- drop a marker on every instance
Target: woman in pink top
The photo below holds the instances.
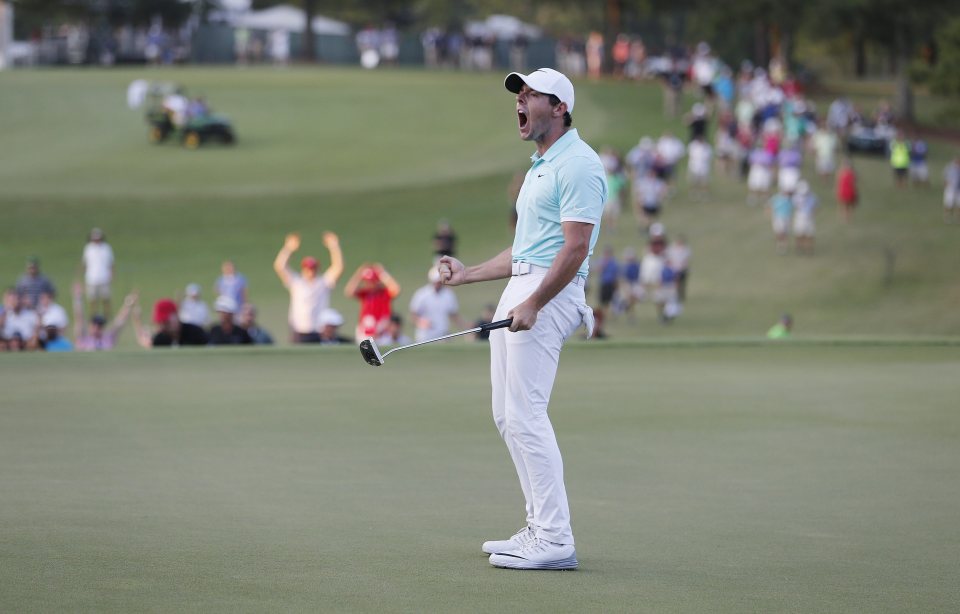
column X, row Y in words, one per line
column 99, row 336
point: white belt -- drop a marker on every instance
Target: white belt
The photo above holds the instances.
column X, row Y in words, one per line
column 525, row 268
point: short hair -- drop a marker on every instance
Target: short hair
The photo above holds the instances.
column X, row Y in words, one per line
column 567, row 120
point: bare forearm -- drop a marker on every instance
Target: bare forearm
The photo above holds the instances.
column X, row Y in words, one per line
column 498, row 267
column 562, row 271
column 336, row 262
column 280, row 262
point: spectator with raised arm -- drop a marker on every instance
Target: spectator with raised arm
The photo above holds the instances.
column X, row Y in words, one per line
column 375, row 288
column 309, row 292
column 97, row 334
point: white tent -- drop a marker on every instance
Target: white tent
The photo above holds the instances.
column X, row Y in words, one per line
column 287, row 18
column 504, row 27
column 6, row 33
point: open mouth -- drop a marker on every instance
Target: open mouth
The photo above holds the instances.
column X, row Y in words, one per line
column 522, row 118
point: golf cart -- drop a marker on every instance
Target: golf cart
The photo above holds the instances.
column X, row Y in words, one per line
column 170, row 114
column 870, row 138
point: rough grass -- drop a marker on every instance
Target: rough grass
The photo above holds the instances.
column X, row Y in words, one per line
column 380, row 157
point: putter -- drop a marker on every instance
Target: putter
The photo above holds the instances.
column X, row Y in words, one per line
column 371, row 353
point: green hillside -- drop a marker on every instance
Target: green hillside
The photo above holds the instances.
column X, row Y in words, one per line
column 380, row 157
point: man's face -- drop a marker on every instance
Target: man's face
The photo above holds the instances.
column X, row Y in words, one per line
column 171, row 324
column 10, row 301
column 535, row 113
column 308, row 272
column 247, row 317
column 33, row 269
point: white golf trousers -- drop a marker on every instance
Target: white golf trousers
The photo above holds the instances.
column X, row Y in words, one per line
column 523, row 366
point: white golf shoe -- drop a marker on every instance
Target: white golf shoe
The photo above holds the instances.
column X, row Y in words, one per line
column 537, row 554
column 519, row 538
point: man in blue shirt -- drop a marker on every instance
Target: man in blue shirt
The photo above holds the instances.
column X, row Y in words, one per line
column 609, row 277
column 558, row 221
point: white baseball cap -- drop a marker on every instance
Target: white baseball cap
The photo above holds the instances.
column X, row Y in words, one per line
column 330, row 317
column 545, row 81
column 56, row 318
column 226, row 304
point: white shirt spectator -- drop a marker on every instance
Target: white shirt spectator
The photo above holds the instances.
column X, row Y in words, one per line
column 678, row 256
column 651, row 269
column 670, row 149
column 98, row 263
column 308, row 298
column 640, row 158
column 435, row 306
column 23, row 323
column 649, row 191
column 699, row 154
column 54, row 315
column 177, row 105
column 704, row 70
column 194, row 311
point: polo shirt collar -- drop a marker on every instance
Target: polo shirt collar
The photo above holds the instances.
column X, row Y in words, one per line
column 568, row 138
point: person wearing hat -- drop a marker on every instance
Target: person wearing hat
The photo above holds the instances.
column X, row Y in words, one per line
column 97, row 266
column 432, row 307
column 558, row 222
column 193, row 309
column 226, row 331
column 309, row 292
column 328, row 328
column 99, row 336
column 171, row 332
column 375, row 288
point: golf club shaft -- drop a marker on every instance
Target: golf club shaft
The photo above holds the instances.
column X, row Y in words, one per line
column 482, row 327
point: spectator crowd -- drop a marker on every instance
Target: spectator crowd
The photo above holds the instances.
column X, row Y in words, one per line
column 32, row 319
column 754, row 124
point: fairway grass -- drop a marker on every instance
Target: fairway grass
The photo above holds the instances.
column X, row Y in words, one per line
column 380, row 157
column 710, row 477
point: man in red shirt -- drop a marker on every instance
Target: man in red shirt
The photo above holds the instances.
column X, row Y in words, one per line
column 375, row 288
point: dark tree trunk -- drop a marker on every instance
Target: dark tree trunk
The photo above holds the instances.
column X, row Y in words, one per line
column 761, row 43
column 613, row 25
column 859, row 55
column 904, row 94
column 309, row 44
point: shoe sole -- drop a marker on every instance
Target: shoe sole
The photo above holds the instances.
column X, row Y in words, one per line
column 512, row 562
column 489, row 551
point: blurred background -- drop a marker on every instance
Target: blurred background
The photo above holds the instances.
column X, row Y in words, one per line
column 195, row 133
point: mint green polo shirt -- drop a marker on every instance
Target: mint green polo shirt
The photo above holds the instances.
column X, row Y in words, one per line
column 566, row 184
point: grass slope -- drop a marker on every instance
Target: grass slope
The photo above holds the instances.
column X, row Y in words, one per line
column 380, row 157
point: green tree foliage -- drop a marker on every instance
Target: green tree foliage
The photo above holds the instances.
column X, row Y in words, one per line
column 946, row 75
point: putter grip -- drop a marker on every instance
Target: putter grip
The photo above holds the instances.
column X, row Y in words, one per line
column 496, row 325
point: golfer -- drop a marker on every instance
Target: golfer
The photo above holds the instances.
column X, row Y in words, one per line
column 559, row 210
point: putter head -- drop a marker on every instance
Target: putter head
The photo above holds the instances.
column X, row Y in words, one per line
column 370, row 352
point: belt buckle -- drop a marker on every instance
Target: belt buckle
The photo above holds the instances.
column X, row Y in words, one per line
column 521, row 268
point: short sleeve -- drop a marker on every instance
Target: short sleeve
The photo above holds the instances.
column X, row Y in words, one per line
column 582, row 190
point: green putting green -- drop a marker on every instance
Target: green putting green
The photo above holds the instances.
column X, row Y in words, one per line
column 804, row 477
